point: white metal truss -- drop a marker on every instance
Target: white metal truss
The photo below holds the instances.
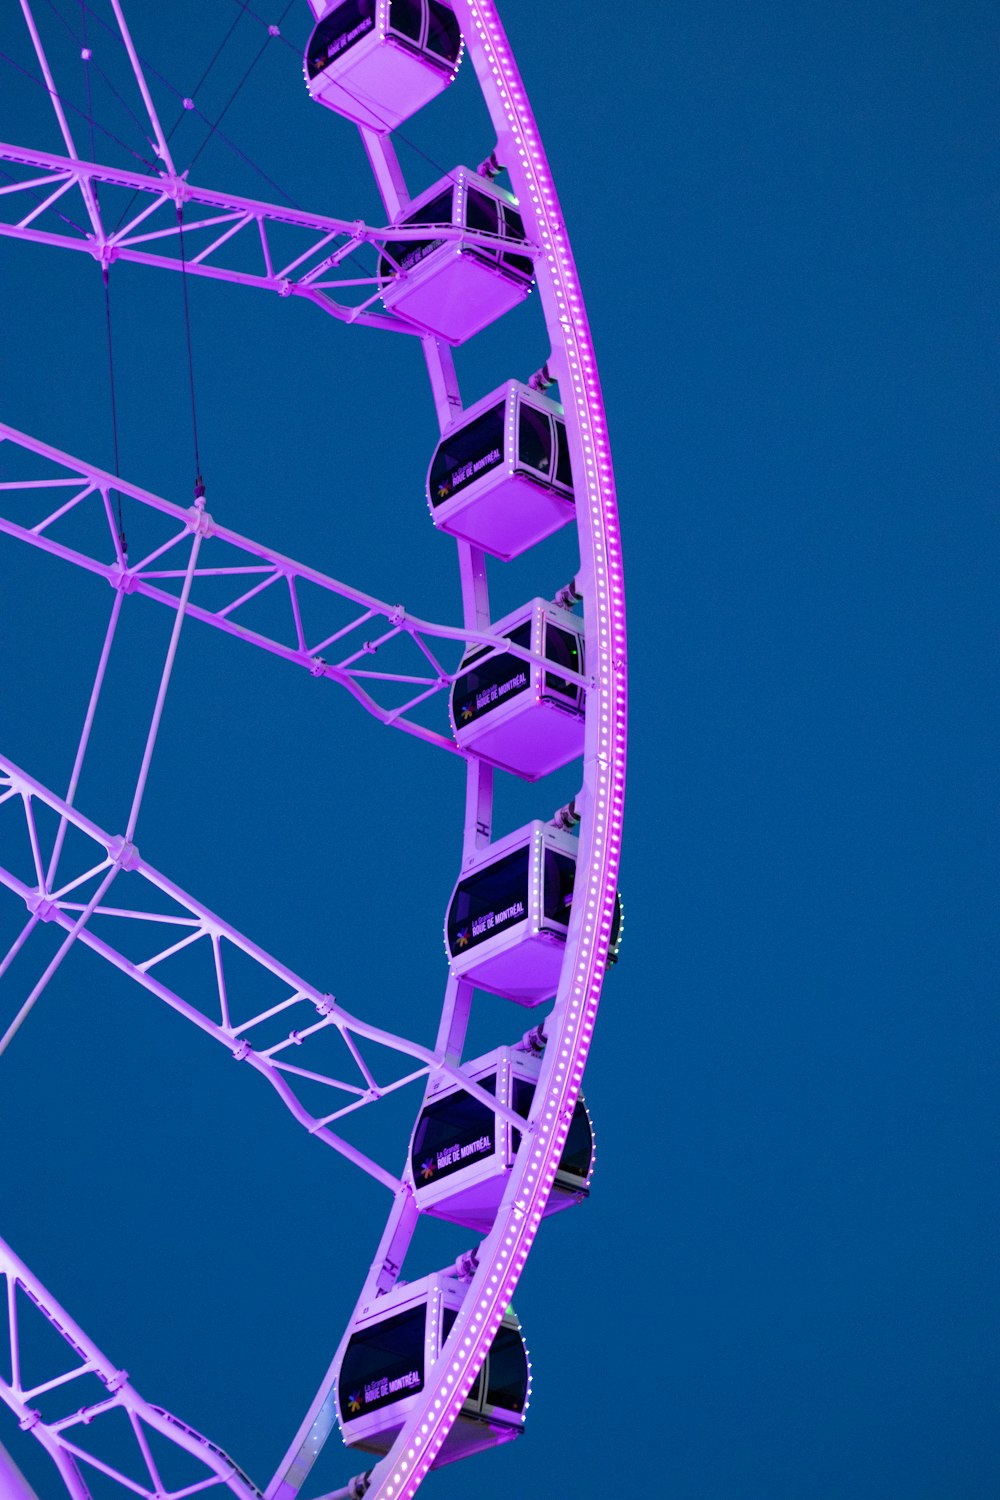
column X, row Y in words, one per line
column 204, row 245
column 299, row 1022
column 40, row 188
column 48, row 190
column 343, row 653
column 73, row 1420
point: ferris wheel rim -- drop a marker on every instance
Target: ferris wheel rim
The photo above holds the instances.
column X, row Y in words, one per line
column 587, row 942
column 398, row 1476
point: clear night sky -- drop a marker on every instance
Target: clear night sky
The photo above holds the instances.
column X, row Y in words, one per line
column 782, row 1284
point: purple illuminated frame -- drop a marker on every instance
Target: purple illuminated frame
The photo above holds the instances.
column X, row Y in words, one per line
column 570, row 1027
column 63, row 1435
column 313, row 274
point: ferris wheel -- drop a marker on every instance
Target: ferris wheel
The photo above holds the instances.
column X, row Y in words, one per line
column 432, row 1370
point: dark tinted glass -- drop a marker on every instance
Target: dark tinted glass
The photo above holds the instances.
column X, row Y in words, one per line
column 557, row 886
column 406, row 16
column 534, row 440
column 521, row 1096
column 383, row 1364
column 482, row 212
column 408, row 253
column 579, row 1149
column 507, row 1371
column 443, row 35
column 514, row 230
column 452, row 1133
column 493, row 681
column 564, row 474
column 447, row 1324
column 489, row 902
column 467, row 453
column 337, row 32
column 563, row 647
column 514, row 222
column 616, row 930
column 437, row 211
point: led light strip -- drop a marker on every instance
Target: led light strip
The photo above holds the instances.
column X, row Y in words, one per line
column 399, row 1475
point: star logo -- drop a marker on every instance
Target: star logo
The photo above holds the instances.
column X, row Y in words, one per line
column 444, row 491
column 467, row 710
column 427, row 1169
column 354, row 1402
column 463, row 937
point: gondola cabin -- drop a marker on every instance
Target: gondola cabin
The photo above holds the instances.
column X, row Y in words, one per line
column 393, row 1346
column 379, row 61
column 519, row 714
column 461, row 1152
column 507, row 920
column 500, row 477
column 457, row 286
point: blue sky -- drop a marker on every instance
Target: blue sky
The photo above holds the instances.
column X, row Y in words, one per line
column 781, row 1285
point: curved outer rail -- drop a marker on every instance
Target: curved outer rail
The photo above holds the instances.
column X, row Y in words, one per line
column 570, row 1026
column 572, row 362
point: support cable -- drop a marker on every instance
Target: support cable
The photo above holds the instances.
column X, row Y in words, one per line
column 68, row 104
column 36, row 194
column 185, row 106
column 215, row 58
column 88, row 58
column 447, row 173
column 272, row 31
column 86, row 55
column 187, row 103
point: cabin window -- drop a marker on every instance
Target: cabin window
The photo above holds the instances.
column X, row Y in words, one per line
column 443, row 35
column 489, row 902
column 564, row 474
column 579, row 1149
column 558, row 886
column 514, row 230
column 482, row 213
column 437, row 211
column 496, row 679
column 474, row 1397
column 534, row 439
column 338, row 32
column 507, row 1371
column 522, row 1093
column 406, row 17
column 382, row 1364
column 563, row 648
column 452, row 1133
column 408, row 253
column 467, row 454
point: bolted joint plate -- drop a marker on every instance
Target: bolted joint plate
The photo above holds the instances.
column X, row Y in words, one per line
column 123, row 854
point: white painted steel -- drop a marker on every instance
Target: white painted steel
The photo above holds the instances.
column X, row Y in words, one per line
column 91, row 489
column 62, row 1435
column 312, row 1010
column 570, row 1025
